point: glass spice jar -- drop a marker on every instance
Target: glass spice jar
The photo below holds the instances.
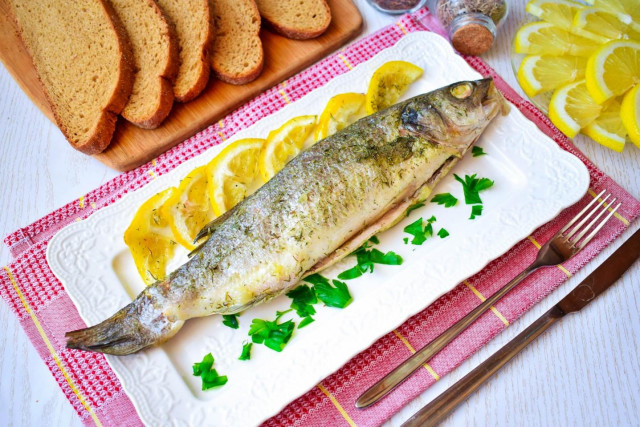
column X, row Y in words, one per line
column 471, row 24
column 396, row 7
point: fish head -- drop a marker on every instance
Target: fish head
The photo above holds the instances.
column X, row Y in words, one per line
column 454, row 116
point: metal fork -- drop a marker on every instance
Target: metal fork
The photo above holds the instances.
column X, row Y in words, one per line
column 562, row 246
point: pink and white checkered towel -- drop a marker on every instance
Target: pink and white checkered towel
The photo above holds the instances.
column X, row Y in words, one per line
column 45, row 311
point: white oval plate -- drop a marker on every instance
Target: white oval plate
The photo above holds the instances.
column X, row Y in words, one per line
column 534, row 181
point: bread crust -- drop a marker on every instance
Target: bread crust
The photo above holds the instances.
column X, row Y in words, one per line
column 298, row 34
column 164, row 100
column 102, row 132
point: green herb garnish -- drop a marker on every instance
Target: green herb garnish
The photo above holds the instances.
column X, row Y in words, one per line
column 445, row 199
column 303, row 297
column 414, row 207
column 472, row 186
column 443, row 233
column 365, row 260
column 333, row 296
column 476, row 210
column 210, row 377
column 246, row 351
column 231, row 320
column 273, row 334
column 374, row 239
column 304, row 322
column 477, row 151
column 419, row 231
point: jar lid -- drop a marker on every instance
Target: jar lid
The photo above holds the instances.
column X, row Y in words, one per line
column 472, row 39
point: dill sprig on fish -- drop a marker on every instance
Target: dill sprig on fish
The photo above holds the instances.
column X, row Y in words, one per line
column 319, row 208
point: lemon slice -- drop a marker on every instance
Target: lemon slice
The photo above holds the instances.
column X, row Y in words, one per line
column 630, row 114
column 612, row 25
column 543, row 38
column 542, row 73
column 608, row 129
column 150, row 239
column 572, row 108
column 613, row 69
column 557, row 12
column 283, row 144
column 340, row 112
column 189, row 209
column 628, row 7
column 388, row 83
column 232, row 174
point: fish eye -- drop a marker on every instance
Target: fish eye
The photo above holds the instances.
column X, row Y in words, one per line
column 462, row 90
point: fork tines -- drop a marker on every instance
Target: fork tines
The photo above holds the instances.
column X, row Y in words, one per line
column 589, row 211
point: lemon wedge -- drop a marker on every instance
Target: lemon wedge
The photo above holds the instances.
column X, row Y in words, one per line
column 232, row 174
column 572, row 108
column 630, row 114
column 612, row 25
column 608, row 129
column 388, row 83
column 150, row 239
column 340, row 112
column 189, row 209
column 543, row 38
column 613, row 69
column 283, row 144
column 542, row 73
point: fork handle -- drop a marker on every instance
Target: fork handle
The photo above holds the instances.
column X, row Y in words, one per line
column 406, row 368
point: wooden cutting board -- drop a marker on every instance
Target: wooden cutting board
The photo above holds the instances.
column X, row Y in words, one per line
column 132, row 146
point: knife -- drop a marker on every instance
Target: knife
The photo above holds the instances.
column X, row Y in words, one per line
column 593, row 285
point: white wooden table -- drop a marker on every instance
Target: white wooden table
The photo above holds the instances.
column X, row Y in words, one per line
column 584, row 371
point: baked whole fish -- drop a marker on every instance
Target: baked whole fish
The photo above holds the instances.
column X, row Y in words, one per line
column 323, row 205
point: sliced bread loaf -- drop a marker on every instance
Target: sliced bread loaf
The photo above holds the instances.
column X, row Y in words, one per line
column 192, row 22
column 236, row 51
column 155, row 56
column 81, row 55
column 296, row 19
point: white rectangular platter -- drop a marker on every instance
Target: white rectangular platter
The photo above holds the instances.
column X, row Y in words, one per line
column 534, row 181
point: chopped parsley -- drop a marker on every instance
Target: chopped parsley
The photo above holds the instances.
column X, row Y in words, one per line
column 304, row 322
column 303, row 299
column 333, row 296
column 246, row 351
column 414, row 207
column 476, row 210
column 419, row 231
column 374, row 240
column 443, row 233
column 445, row 199
column 365, row 260
column 477, row 151
column 210, row 377
column 271, row 333
column 472, row 186
column 231, row 320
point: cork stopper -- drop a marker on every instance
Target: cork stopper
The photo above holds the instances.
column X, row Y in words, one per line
column 472, row 39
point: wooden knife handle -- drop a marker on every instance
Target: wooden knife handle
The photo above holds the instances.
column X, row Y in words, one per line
column 438, row 409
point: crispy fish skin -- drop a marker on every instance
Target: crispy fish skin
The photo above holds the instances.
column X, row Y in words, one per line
column 320, row 207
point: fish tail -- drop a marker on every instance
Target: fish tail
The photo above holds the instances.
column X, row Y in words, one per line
column 136, row 326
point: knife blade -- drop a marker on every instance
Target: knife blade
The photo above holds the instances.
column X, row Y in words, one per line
column 593, row 285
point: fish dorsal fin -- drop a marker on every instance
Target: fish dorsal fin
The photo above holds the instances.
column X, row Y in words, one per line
column 211, row 227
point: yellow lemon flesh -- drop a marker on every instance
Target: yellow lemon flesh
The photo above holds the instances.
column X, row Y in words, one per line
column 189, row 209
column 572, row 108
column 283, row 144
column 607, row 129
column 543, row 38
column 150, row 239
column 340, row 112
column 388, row 83
column 627, row 7
column 561, row 14
column 611, row 25
column 232, row 174
column 542, row 73
column 613, row 69
column 630, row 114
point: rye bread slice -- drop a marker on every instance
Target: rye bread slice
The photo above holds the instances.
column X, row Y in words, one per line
column 82, row 57
column 192, row 22
column 155, row 54
column 296, row 19
column 236, row 51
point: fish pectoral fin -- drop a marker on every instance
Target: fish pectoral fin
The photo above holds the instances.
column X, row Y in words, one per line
column 208, row 229
column 197, row 249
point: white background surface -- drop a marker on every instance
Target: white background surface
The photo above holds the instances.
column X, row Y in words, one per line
column 584, row 371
